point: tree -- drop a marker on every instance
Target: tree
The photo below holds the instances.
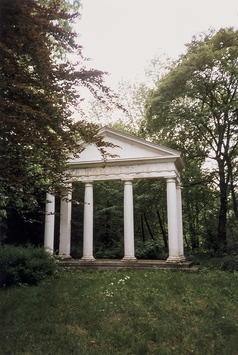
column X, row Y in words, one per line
column 150, row 213
column 200, row 207
column 38, row 93
column 130, row 111
column 196, row 105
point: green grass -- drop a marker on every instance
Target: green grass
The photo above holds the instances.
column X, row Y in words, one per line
column 122, row 312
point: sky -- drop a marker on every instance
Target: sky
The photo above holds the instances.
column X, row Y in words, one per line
column 122, row 36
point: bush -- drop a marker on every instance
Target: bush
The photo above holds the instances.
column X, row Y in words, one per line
column 112, row 250
column 229, row 263
column 25, row 265
column 76, row 251
column 150, row 249
column 214, row 261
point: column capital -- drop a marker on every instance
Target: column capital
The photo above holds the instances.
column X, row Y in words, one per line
column 67, row 185
column 171, row 180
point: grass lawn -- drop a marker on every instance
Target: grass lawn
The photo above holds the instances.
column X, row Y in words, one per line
column 122, row 312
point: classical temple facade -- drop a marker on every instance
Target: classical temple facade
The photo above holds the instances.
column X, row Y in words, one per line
column 133, row 158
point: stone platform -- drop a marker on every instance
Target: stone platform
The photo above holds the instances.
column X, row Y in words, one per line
column 113, row 264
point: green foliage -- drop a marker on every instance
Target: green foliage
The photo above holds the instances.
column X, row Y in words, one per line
column 112, row 250
column 150, row 211
column 213, row 261
column 24, row 228
column 108, row 219
column 194, row 106
column 200, row 202
column 149, row 199
column 229, row 263
column 76, row 251
column 130, row 111
column 38, row 94
column 150, row 249
column 123, row 312
column 25, row 265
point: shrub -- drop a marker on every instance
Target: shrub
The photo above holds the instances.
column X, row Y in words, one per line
column 112, row 250
column 151, row 249
column 76, row 251
column 214, row 261
column 229, row 263
column 25, row 265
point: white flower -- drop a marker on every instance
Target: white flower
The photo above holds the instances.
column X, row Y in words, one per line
column 121, row 281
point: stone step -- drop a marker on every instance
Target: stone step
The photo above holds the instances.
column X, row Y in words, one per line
column 112, row 264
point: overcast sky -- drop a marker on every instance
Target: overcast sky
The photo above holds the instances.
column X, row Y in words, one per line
column 122, row 36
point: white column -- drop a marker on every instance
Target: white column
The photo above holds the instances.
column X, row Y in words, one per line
column 129, row 249
column 49, row 223
column 180, row 222
column 65, row 225
column 88, row 223
column 172, row 212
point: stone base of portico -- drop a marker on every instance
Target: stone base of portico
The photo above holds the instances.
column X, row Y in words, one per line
column 65, row 257
column 88, row 258
column 130, row 258
column 176, row 259
column 115, row 264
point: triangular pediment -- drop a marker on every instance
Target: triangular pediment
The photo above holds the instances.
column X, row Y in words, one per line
column 127, row 147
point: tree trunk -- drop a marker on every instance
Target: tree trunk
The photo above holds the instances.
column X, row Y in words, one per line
column 235, row 208
column 223, row 207
column 151, row 234
column 186, row 241
column 192, row 227
column 142, row 227
column 163, row 231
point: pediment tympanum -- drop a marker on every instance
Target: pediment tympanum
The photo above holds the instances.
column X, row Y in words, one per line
column 133, row 158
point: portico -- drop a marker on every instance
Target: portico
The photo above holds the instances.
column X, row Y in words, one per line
column 133, row 158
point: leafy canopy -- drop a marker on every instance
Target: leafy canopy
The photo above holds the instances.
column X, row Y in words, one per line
column 195, row 105
column 38, row 92
column 199, row 93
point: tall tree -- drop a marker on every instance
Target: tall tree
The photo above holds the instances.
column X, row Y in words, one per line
column 196, row 105
column 129, row 112
column 38, row 93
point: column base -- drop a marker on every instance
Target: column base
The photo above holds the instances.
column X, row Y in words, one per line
column 49, row 250
column 175, row 259
column 65, row 256
column 88, row 258
column 130, row 258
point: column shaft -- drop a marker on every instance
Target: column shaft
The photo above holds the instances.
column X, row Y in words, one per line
column 172, row 221
column 129, row 249
column 49, row 223
column 180, row 222
column 65, row 226
column 88, row 223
